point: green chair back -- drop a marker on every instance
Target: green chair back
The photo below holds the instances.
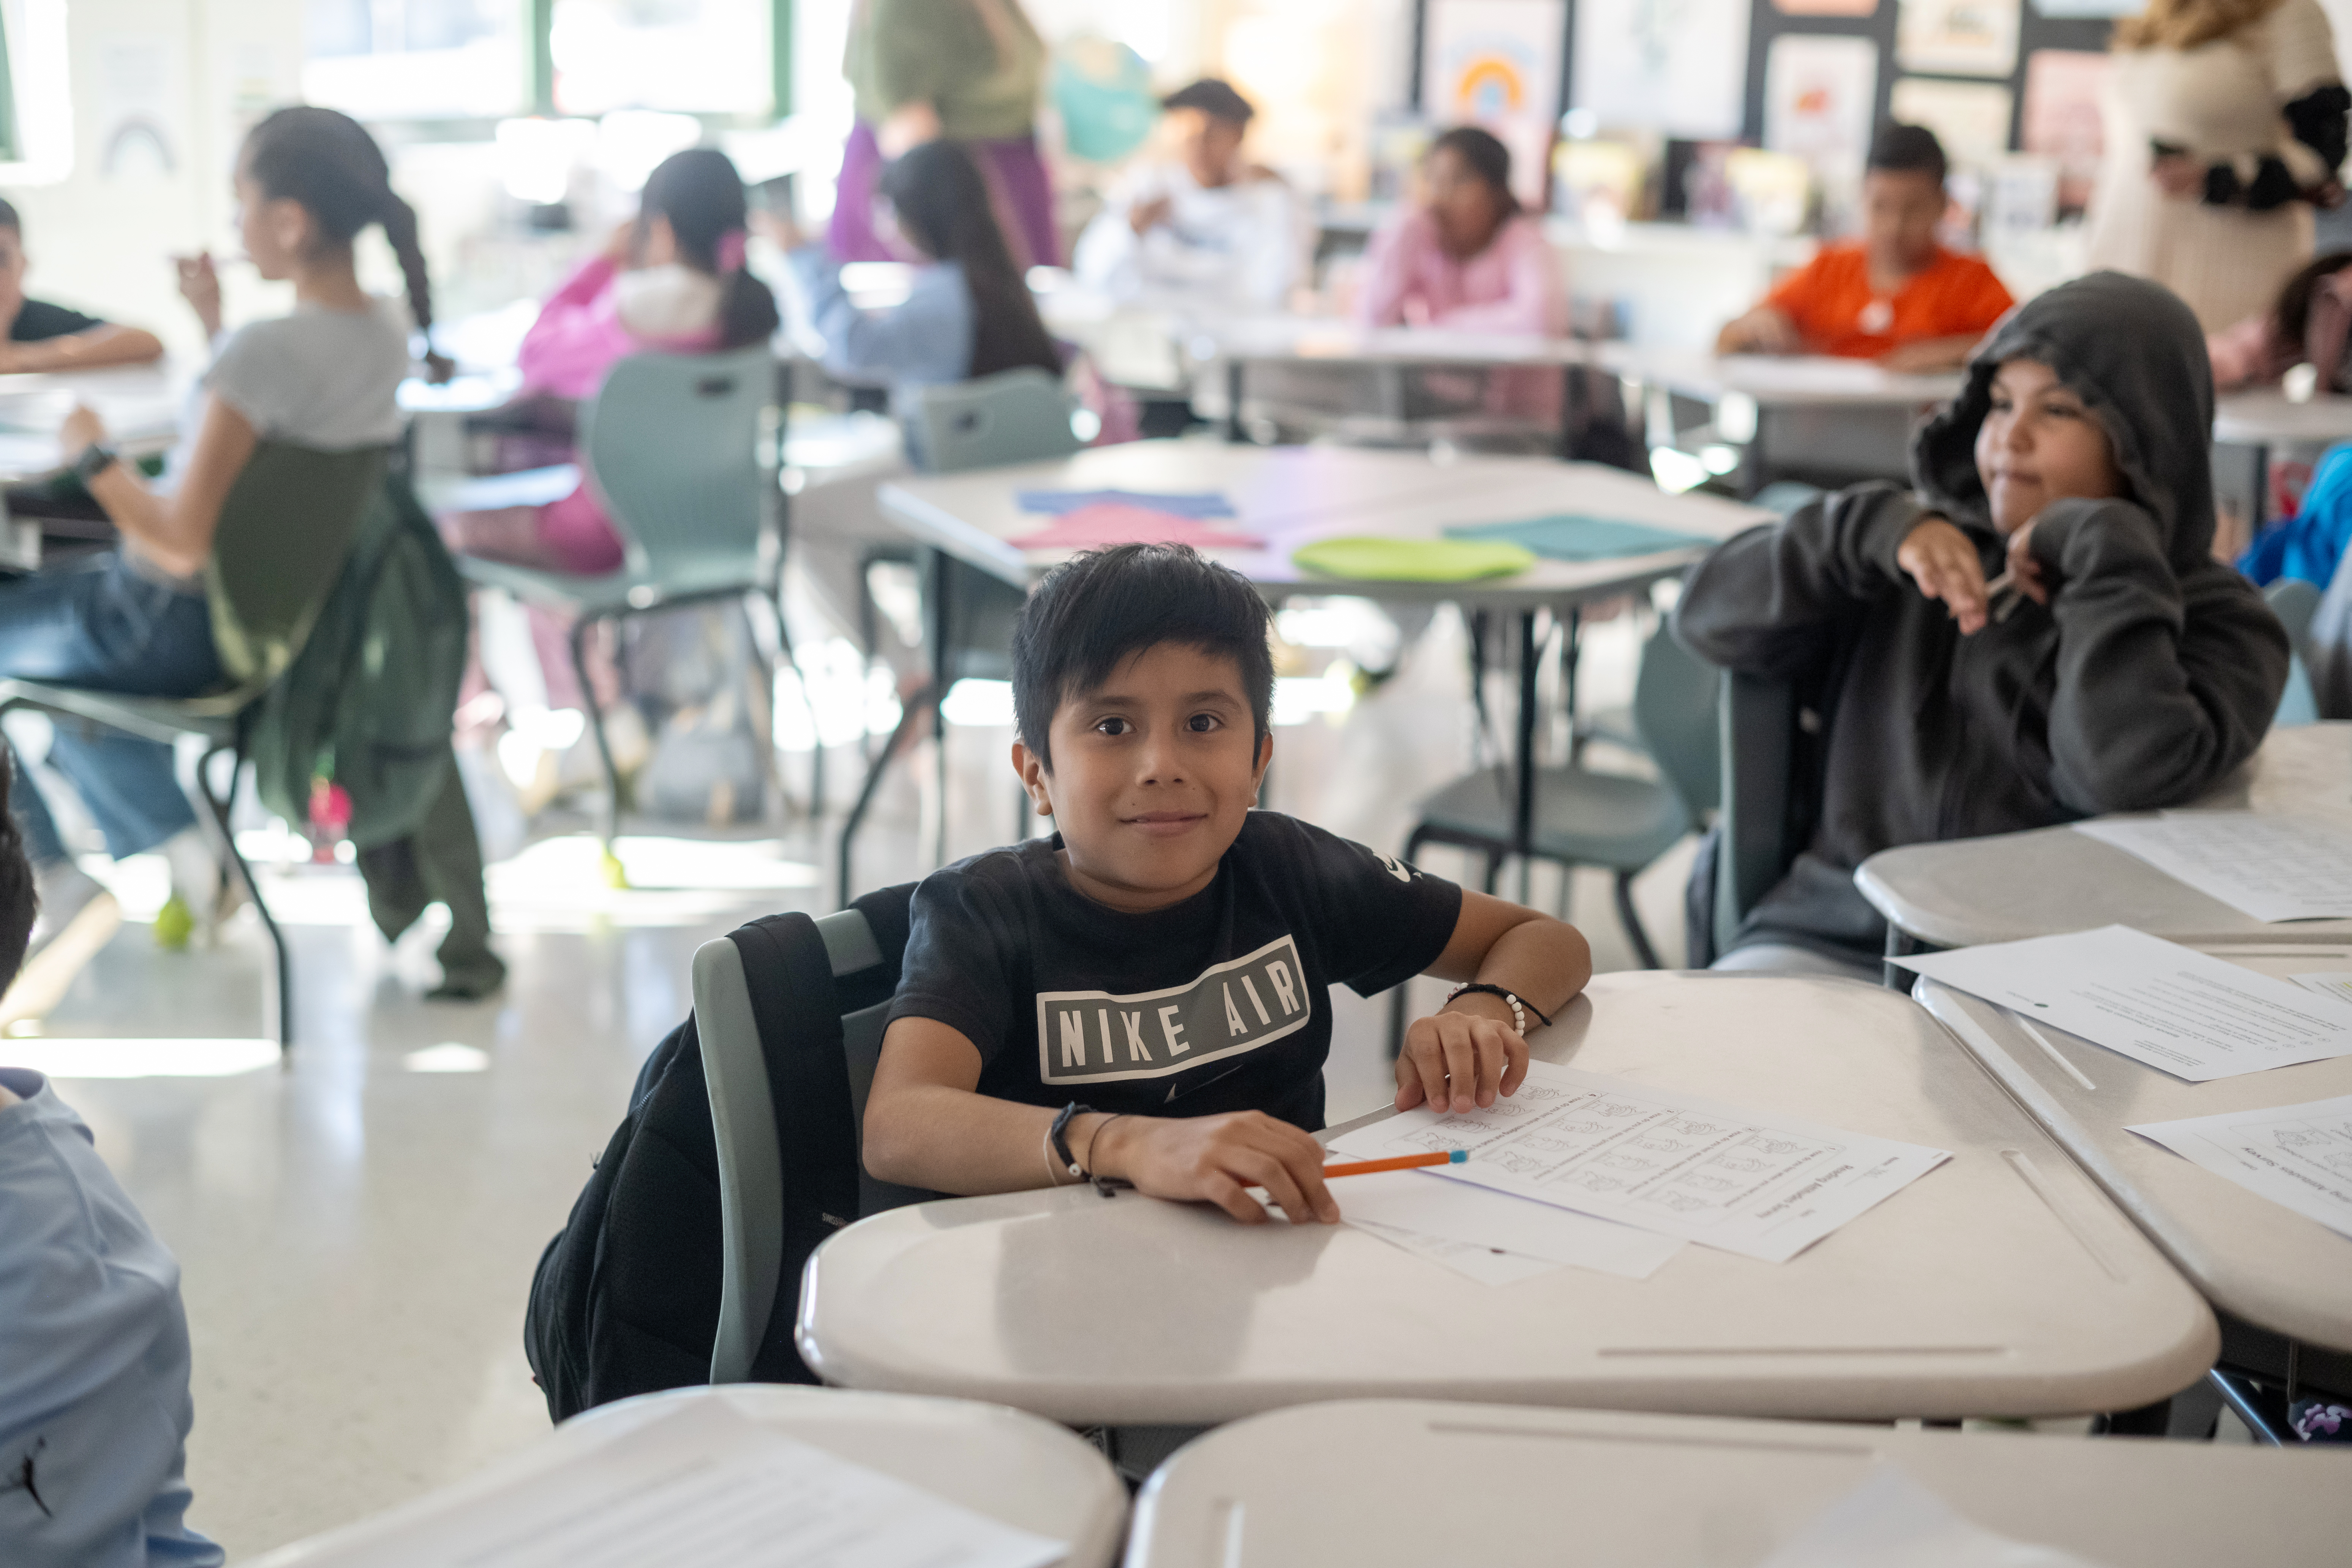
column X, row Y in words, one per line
column 673, row 445
column 1676, row 695
column 1014, row 416
column 287, row 527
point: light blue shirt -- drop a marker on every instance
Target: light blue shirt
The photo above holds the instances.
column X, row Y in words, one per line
column 94, row 1406
column 925, row 342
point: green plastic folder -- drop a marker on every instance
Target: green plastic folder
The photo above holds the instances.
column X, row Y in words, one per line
column 1371, row 559
column 1572, row 536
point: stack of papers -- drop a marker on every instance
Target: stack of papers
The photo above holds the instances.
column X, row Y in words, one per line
column 1184, row 503
column 1676, row 1165
column 703, row 1486
column 2267, row 867
column 2194, row 1015
column 1493, row 1236
column 1100, row 523
column 2296, row 1155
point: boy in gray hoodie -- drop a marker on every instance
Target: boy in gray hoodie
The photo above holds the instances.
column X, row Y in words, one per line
column 2125, row 669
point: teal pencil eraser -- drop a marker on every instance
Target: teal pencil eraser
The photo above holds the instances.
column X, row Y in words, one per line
column 1457, row 1157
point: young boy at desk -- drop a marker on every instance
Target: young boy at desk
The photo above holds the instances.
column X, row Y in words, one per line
column 1145, row 996
column 1894, row 295
column 2038, row 632
column 42, row 336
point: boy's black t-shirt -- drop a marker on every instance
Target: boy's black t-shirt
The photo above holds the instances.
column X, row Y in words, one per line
column 39, row 320
column 1221, row 1002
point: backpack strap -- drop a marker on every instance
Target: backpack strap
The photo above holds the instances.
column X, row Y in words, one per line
column 798, row 1019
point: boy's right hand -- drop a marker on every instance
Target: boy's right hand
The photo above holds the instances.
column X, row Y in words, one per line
column 1214, row 1158
column 1943, row 561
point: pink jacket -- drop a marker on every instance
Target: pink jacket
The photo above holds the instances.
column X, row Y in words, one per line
column 1512, row 286
column 579, row 334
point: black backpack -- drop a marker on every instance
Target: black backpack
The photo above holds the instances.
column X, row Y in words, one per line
column 626, row 1298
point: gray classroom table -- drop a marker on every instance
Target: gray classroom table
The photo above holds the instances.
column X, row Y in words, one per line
column 2252, row 1258
column 2000, row 1283
column 2051, row 879
column 139, row 405
column 1394, row 1484
column 1010, row 1467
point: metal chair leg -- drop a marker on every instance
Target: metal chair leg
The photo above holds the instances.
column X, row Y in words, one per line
column 578, row 640
column 790, row 659
column 908, row 717
column 278, row 996
column 1900, row 943
column 1631, row 922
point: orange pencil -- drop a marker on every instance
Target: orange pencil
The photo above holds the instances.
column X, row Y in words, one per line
column 1401, row 1162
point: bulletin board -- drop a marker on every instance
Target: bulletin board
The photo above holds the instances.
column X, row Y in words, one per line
column 1951, row 44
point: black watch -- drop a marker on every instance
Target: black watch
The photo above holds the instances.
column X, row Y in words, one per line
column 95, row 459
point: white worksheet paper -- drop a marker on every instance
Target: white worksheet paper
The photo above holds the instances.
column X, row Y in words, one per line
column 2268, row 867
column 1486, row 1265
column 2188, row 1013
column 2297, row 1155
column 1891, row 1522
column 2335, row 983
column 1424, row 1203
column 1763, row 1187
column 704, row 1488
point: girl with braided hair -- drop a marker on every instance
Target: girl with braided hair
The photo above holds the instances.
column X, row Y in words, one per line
column 308, row 181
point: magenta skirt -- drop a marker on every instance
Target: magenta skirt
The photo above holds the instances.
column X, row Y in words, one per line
column 1016, row 179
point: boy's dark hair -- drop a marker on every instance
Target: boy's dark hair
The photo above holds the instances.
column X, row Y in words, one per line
column 17, row 903
column 1900, row 149
column 1484, row 154
column 701, row 194
column 1092, row 613
column 943, row 205
column 1214, row 98
column 8, row 219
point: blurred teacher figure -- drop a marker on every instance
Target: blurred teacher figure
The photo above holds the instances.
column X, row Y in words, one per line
column 2225, row 125
column 965, row 70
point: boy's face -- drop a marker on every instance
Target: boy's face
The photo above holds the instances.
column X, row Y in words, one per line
column 1153, row 771
column 1211, row 147
column 1900, row 211
column 2038, row 444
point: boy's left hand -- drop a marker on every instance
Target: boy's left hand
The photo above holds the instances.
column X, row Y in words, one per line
column 1456, row 1061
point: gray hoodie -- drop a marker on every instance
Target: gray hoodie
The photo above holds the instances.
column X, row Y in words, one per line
column 2152, row 672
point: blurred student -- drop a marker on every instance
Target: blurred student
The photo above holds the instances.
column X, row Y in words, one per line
column 1894, row 295
column 955, row 70
column 1207, row 227
column 308, row 181
column 1465, row 257
column 968, row 312
column 42, row 336
column 671, row 279
column 2306, row 324
column 2124, row 668
column 94, row 1404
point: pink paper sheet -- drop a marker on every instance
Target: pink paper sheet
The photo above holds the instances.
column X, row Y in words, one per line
column 1117, row 522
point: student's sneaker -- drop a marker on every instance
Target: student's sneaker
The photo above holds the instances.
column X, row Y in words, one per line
column 203, row 893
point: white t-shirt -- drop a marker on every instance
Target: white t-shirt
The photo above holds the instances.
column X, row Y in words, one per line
column 320, row 378
column 1241, row 244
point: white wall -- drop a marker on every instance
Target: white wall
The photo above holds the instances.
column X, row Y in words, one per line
column 204, row 69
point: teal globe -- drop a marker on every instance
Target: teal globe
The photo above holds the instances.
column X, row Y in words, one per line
column 1103, row 92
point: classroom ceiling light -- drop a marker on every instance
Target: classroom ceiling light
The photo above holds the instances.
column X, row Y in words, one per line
column 77, row 1059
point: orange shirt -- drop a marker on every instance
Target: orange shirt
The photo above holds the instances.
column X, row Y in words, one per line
column 1831, row 301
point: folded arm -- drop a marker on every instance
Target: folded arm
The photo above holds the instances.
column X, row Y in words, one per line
column 101, row 345
column 1762, row 601
column 2166, row 681
column 928, row 1126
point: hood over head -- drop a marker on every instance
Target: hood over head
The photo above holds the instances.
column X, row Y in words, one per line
column 2134, row 354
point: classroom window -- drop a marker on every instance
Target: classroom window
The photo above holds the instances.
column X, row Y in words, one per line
column 418, row 59
column 694, row 57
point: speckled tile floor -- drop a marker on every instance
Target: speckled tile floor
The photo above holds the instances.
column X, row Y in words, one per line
column 357, row 1237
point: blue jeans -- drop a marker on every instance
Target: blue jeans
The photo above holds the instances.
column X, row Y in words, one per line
column 102, row 624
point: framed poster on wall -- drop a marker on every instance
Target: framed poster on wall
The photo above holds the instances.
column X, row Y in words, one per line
column 1676, row 66
column 1821, row 95
column 1958, row 37
column 1496, row 63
